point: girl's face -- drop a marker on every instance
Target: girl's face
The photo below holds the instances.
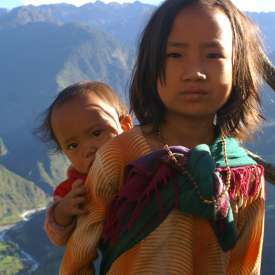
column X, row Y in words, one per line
column 198, row 68
column 82, row 125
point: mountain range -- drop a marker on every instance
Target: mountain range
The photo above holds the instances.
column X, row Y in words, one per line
column 42, row 50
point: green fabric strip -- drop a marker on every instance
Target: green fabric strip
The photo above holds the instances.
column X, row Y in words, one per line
column 236, row 155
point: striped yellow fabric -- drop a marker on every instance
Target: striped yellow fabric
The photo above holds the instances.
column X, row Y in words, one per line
column 182, row 244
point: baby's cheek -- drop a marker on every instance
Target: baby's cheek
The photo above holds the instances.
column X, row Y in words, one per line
column 107, row 137
column 114, row 132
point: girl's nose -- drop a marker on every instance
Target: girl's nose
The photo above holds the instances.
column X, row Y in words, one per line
column 194, row 69
column 194, row 75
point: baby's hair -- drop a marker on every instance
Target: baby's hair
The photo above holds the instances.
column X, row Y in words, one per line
column 106, row 93
column 241, row 114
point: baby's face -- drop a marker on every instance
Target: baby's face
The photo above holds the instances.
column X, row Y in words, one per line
column 82, row 125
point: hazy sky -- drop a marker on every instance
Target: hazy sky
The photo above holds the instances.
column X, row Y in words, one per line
column 248, row 5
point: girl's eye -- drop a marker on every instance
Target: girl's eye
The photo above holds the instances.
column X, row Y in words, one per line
column 214, row 55
column 72, row 146
column 173, row 55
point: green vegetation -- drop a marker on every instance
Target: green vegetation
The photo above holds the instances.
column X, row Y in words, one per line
column 18, row 195
column 3, row 247
column 10, row 263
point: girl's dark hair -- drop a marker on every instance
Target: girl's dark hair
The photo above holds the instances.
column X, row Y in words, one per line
column 45, row 131
column 242, row 112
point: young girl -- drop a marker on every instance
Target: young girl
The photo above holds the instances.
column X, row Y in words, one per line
column 80, row 120
column 191, row 201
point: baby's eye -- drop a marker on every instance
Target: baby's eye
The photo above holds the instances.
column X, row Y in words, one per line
column 96, row 133
column 173, row 55
column 72, row 146
column 214, row 55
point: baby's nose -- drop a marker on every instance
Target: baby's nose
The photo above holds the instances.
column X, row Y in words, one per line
column 89, row 152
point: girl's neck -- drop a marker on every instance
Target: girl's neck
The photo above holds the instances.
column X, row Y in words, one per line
column 187, row 132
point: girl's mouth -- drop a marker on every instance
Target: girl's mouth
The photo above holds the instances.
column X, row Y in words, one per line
column 193, row 94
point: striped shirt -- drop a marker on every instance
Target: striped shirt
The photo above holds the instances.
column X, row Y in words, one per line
column 181, row 244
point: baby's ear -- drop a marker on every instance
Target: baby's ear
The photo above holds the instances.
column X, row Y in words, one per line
column 126, row 122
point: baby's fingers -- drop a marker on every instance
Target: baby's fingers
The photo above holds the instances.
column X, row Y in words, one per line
column 80, row 211
column 80, row 206
column 78, row 192
column 79, row 200
column 77, row 183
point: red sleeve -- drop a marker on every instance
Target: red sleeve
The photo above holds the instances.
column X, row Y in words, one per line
column 63, row 188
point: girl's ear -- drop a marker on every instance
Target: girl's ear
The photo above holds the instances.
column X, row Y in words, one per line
column 126, row 122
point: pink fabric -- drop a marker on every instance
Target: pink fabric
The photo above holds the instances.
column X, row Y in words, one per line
column 245, row 180
column 56, row 233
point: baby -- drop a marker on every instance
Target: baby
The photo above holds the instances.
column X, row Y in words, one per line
column 82, row 118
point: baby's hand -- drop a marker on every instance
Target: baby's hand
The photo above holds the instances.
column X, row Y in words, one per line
column 73, row 204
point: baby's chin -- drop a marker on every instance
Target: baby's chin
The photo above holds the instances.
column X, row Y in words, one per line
column 87, row 169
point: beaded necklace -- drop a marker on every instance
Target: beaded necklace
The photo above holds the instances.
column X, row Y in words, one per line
column 174, row 158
